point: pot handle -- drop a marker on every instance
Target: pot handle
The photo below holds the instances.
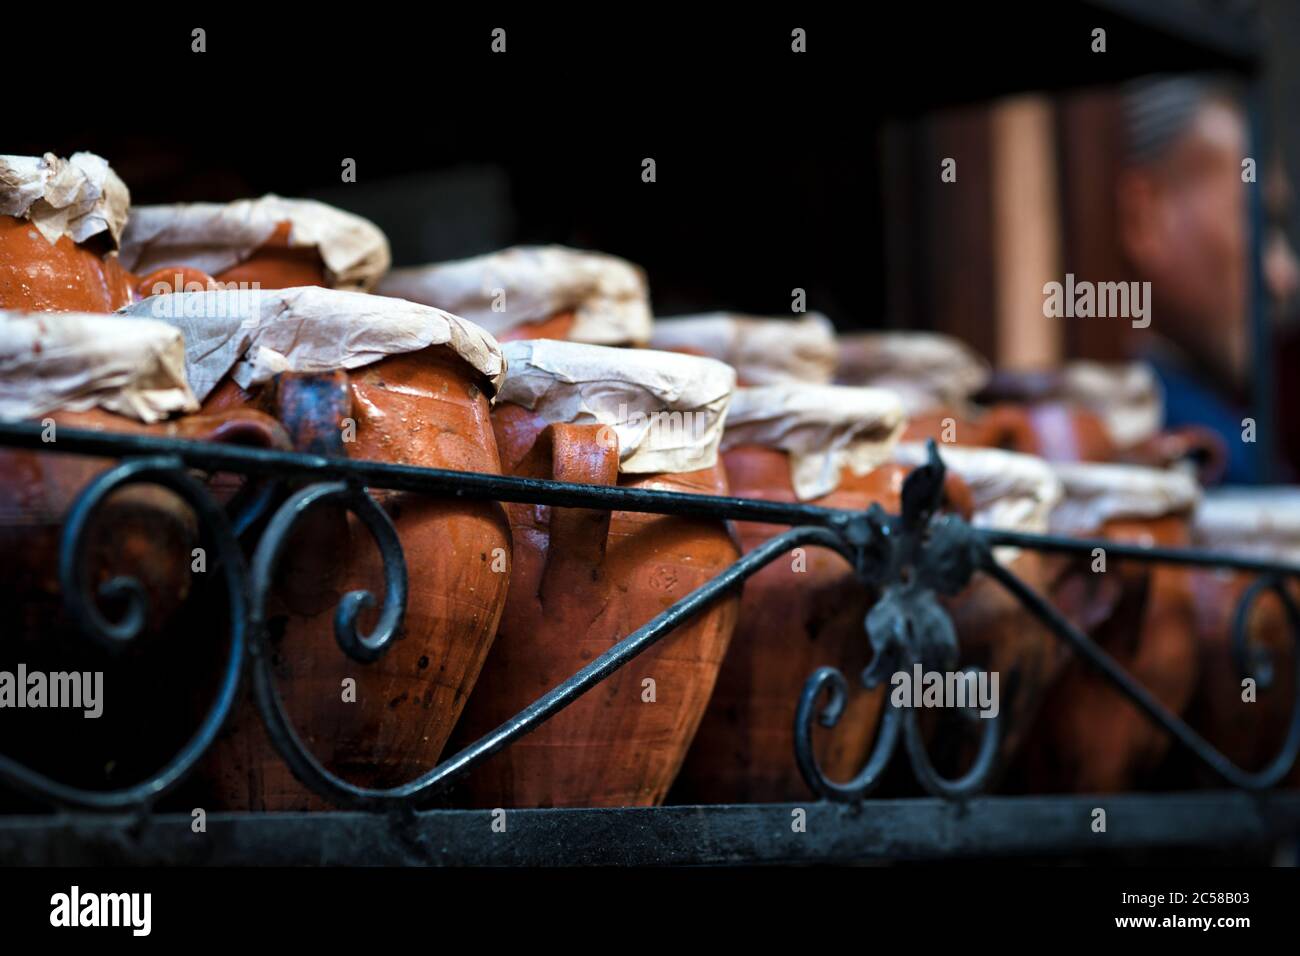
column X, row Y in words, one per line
column 314, row 408
column 1200, row 447
column 238, row 426
column 250, row 428
column 575, row 553
column 1007, row 426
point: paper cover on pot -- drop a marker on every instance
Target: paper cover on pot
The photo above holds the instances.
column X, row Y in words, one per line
column 666, row 409
column 823, row 428
column 1009, row 491
column 1097, row 493
column 214, row 237
column 78, row 197
column 503, row 290
column 1127, row 397
column 256, row 333
column 78, row 361
column 1256, row 522
column 927, row 370
column 763, row 351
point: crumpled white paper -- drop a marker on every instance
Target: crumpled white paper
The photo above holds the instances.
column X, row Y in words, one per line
column 666, row 409
column 1009, row 491
column 214, row 237
column 78, row 197
column 1254, row 522
column 256, row 333
column 763, row 351
column 1126, row 396
column 77, row 361
column 822, row 428
column 927, row 370
column 503, row 290
column 1097, row 493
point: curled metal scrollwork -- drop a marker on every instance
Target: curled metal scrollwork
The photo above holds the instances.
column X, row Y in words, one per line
column 1256, row 663
column 973, row 780
column 420, row 791
column 894, row 719
column 910, row 559
column 363, row 648
column 830, row 681
column 1155, row 711
column 82, row 606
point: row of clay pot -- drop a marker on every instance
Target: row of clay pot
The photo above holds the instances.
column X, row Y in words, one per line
column 71, row 242
column 577, row 582
column 574, row 582
column 1120, row 479
column 544, row 293
column 549, row 608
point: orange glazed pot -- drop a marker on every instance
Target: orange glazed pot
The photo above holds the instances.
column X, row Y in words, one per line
column 1090, row 737
column 557, row 326
column 1009, row 492
column 277, row 265
column 268, row 243
column 139, row 523
column 791, row 622
column 59, row 232
column 56, row 364
column 427, row 408
column 142, row 532
column 39, row 276
column 826, row 445
column 581, row 582
column 1054, row 431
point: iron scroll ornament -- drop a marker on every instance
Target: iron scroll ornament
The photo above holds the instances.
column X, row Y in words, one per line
column 920, row 554
column 365, row 649
column 910, row 559
column 82, row 605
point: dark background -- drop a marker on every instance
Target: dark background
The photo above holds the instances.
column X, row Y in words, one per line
column 769, row 163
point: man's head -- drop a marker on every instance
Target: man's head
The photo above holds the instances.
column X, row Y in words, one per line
column 1183, row 218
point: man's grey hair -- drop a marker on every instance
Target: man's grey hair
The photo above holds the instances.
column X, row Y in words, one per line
column 1158, row 109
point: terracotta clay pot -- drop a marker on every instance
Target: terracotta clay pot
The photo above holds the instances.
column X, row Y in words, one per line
column 170, row 279
column 580, row 582
column 1054, row 431
column 1001, row 637
column 278, row 265
column 1038, row 413
column 39, row 276
column 143, row 532
column 553, row 327
column 791, row 622
column 37, row 488
column 949, row 427
column 426, row 408
column 1090, row 738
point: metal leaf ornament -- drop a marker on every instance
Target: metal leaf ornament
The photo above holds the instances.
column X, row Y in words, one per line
column 925, row 554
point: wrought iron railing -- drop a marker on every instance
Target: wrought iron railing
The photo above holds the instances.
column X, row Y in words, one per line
column 909, row 559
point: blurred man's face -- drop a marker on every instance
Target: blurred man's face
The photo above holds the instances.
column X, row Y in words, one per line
column 1281, row 270
column 1183, row 224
